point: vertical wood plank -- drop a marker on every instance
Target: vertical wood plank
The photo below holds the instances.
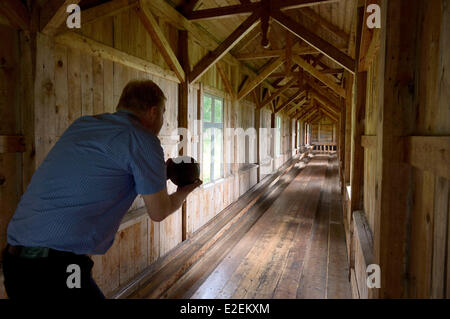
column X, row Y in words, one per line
column 74, row 83
column 61, row 89
column 87, row 90
column 98, row 86
column 440, row 231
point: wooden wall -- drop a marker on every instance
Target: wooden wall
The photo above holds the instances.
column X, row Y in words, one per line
column 414, row 254
column 10, row 124
column 71, row 83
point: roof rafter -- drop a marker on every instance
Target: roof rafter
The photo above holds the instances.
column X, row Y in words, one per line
column 53, row 14
column 290, row 100
column 260, row 77
column 277, row 93
column 320, row 76
column 214, row 56
column 315, row 41
column 153, row 29
column 16, row 13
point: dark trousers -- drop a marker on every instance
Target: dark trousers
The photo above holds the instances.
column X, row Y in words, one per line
column 55, row 276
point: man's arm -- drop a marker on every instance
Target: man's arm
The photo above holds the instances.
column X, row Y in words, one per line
column 161, row 204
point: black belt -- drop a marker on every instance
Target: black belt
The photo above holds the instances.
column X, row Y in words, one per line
column 34, row 252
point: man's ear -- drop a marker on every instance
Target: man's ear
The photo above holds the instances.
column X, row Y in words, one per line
column 153, row 112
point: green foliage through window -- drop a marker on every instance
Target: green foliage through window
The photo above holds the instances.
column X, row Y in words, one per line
column 212, row 157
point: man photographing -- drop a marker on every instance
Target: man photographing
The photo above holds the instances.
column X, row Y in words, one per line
column 77, row 198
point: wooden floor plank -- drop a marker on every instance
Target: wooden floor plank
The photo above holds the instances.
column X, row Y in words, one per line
column 314, row 272
column 290, row 244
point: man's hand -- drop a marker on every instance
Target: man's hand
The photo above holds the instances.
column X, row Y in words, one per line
column 189, row 188
column 161, row 204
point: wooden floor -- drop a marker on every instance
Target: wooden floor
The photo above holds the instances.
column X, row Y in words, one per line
column 296, row 249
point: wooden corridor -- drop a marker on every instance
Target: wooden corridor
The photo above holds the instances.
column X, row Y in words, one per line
column 296, row 249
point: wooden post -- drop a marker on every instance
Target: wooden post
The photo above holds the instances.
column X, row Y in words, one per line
column 357, row 178
column 348, row 125
column 183, row 102
column 257, row 127
column 358, row 117
column 272, row 147
column 396, row 81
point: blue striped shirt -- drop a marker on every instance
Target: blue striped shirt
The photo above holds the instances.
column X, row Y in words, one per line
column 86, row 184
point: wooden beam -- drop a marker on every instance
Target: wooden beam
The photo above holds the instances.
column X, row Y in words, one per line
column 189, row 6
column 305, row 110
column 369, row 40
column 318, row 75
column 153, row 29
column 429, row 153
column 225, row 80
column 288, row 53
column 79, row 42
column 323, row 91
column 252, row 35
column 369, row 141
column 325, row 101
column 250, row 7
column 308, row 115
column 277, row 93
column 12, row 144
column 332, row 71
column 183, row 117
column 348, row 80
column 312, row 118
column 315, row 41
column 224, row 47
column 16, row 13
column 357, row 196
column 165, row 11
column 260, row 77
column 290, row 100
column 329, row 114
column 224, row 12
column 397, row 109
column 53, row 15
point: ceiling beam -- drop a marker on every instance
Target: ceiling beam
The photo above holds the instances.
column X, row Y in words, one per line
column 324, row 100
column 315, row 41
column 151, row 25
column 330, row 115
column 319, row 76
column 289, row 101
column 53, row 14
column 277, row 93
column 310, row 114
column 274, row 53
column 164, row 10
column 331, row 95
column 260, row 77
column 250, row 7
column 307, row 110
column 315, row 118
column 16, row 13
column 249, row 38
column 189, row 6
column 225, row 80
column 89, row 46
column 214, row 56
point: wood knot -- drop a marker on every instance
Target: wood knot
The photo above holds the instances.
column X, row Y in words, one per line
column 48, row 86
column 2, row 180
column 60, row 63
